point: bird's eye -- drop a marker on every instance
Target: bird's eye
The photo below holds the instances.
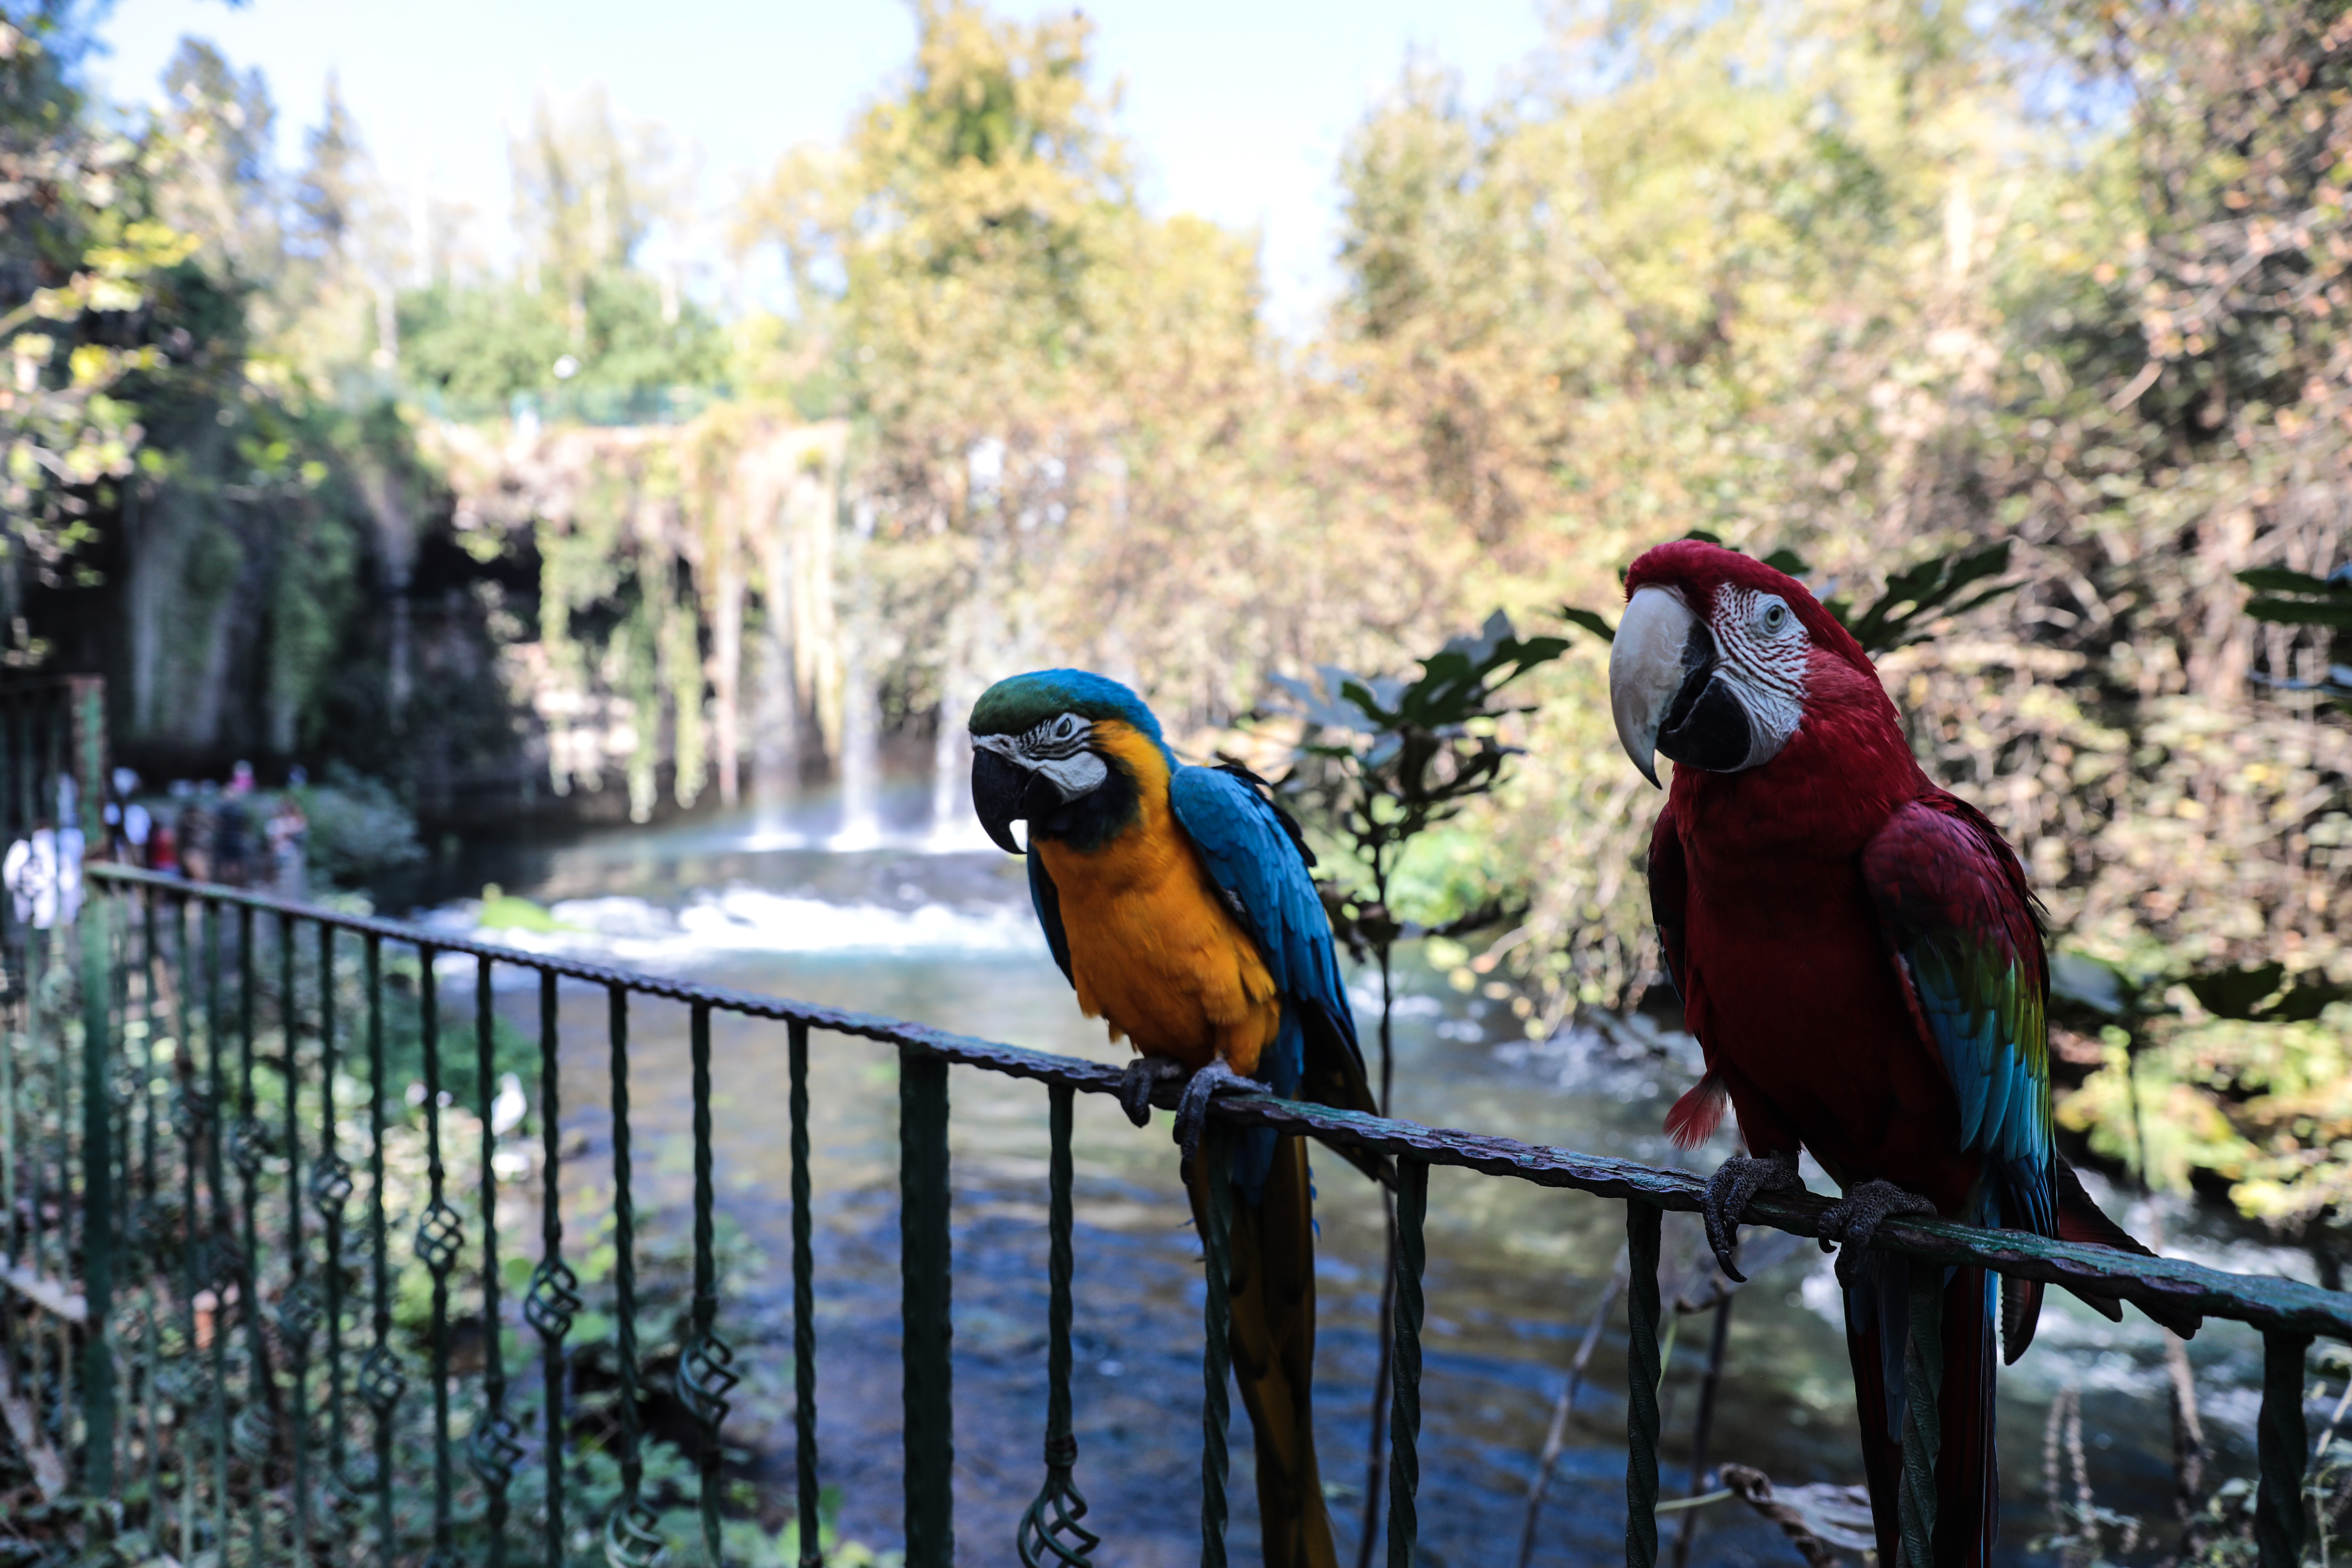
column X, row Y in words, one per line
column 1775, row 616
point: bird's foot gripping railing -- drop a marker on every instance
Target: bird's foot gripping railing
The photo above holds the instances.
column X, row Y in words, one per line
column 255, row 1294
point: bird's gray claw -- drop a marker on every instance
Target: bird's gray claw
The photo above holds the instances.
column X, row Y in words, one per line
column 1854, row 1219
column 1735, row 1182
column 1135, row 1085
column 1193, row 1113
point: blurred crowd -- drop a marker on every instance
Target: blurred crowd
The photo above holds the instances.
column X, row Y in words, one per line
column 234, row 834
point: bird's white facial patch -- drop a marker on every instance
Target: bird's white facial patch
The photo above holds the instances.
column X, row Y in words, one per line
column 1058, row 751
column 1764, row 651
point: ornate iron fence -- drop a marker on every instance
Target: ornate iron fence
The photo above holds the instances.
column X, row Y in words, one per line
column 207, row 1326
column 204, row 1324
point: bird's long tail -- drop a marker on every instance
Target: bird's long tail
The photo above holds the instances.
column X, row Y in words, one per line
column 1967, row 1483
column 1272, row 1286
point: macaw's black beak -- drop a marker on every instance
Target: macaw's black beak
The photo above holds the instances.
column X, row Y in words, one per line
column 1668, row 692
column 1000, row 790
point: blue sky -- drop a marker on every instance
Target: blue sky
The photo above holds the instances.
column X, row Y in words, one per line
column 1238, row 110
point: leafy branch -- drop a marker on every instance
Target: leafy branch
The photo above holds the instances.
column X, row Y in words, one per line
column 2288, row 598
column 1383, row 760
column 1386, row 758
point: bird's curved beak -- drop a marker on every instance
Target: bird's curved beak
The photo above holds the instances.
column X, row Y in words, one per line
column 1661, row 651
column 1000, row 790
column 1671, row 694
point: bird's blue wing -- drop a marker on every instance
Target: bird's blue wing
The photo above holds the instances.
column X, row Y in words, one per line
column 1960, row 920
column 1046, row 900
column 1254, row 860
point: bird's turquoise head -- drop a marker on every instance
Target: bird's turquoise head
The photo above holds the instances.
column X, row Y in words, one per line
column 1059, row 750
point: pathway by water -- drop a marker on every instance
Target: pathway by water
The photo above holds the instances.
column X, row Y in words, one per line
column 946, row 937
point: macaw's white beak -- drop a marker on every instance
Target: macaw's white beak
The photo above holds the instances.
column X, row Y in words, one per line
column 1660, row 646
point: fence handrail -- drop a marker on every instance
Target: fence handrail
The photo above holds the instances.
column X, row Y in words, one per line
column 2264, row 1303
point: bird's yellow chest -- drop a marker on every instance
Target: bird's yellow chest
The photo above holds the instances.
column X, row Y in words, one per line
column 1154, row 951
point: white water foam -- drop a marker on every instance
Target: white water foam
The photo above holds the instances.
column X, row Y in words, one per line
column 742, row 920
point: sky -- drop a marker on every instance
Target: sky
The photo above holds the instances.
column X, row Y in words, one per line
column 1238, row 110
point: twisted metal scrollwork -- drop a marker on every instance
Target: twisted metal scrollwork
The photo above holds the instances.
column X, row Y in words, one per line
column 493, row 1449
column 553, row 1302
column 439, row 1235
column 299, row 1311
column 705, row 1375
column 382, row 1383
column 192, row 1111
column 249, row 1147
column 632, row 1538
column 331, row 1185
column 1050, row 1530
column 251, row 1433
column 182, row 1379
column 352, row 1484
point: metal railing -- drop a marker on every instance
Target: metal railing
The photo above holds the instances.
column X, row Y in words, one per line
column 198, row 1324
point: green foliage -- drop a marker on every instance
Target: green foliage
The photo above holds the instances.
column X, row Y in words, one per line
column 79, row 257
column 1385, row 759
column 473, row 348
column 358, row 827
column 502, row 911
column 1915, row 599
column 2260, row 992
column 2299, row 599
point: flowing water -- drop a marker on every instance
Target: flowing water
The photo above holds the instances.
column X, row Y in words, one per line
column 899, row 926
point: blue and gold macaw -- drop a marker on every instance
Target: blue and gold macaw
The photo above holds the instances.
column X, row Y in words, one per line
column 1177, row 900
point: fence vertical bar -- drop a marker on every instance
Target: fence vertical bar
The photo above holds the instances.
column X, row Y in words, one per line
column 331, row 1189
column 1051, row 1526
column 222, row 1264
column 1216, row 1325
column 149, row 992
column 152, row 1266
column 11, row 1151
column 631, row 1538
column 2282, row 1449
column 493, row 1449
column 1642, row 1373
column 297, row 1311
column 924, row 1290
column 554, row 1297
column 1404, row 1365
column 37, row 1131
column 194, row 1116
column 439, row 1235
column 98, row 1197
column 804, row 1305
column 705, row 1373
column 60, row 1145
column 381, row 1382
column 254, row 1437
column 1923, row 1434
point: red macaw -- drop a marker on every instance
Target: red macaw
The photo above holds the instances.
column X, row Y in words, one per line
column 1862, row 962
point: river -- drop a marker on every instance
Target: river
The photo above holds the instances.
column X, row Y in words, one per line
column 943, row 935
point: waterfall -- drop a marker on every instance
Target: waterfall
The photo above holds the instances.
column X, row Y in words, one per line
column 861, row 760
column 953, row 825
column 861, row 705
column 776, row 707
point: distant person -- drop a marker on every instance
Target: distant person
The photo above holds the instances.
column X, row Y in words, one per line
column 287, row 833
column 127, row 823
column 138, row 832
column 233, row 843
column 199, row 821
column 162, row 849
